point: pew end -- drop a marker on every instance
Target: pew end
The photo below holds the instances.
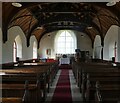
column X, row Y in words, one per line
column 98, row 98
column 11, row 100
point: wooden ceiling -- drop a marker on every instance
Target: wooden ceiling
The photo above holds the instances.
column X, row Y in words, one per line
column 39, row 18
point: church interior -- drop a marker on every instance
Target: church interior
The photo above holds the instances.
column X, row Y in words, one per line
column 60, row 52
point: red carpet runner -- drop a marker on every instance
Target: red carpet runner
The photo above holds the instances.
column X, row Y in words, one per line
column 62, row 92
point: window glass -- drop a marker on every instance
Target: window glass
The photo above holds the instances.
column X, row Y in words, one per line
column 65, row 43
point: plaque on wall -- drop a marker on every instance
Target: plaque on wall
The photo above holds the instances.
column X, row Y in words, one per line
column 48, row 51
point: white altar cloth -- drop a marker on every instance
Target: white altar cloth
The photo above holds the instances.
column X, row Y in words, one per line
column 64, row 60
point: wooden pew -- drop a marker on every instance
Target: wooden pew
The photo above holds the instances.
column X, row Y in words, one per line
column 105, row 76
column 107, row 93
column 12, row 79
column 51, row 73
column 53, row 69
column 78, row 68
column 97, row 69
column 99, row 72
column 10, row 100
column 34, row 68
column 21, row 93
column 7, row 65
column 89, row 90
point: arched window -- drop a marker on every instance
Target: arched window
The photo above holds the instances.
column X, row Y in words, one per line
column 34, row 50
column 17, row 48
column 65, row 42
column 14, row 51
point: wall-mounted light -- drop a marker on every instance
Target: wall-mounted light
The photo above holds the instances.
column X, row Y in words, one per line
column 89, row 21
column 82, row 35
column 48, row 35
column 39, row 27
column 15, row 4
column 111, row 3
column 89, row 27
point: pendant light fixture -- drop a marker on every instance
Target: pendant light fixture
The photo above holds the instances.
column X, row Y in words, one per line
column 89, row 22
column 112, row 2
column 16, row 4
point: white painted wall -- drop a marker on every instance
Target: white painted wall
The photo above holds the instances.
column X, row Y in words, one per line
column 97, row 47
column 0, row 46
column 27, row 52
column 109, row 43
column 118, row 46
column 8, row 46
column 7, row 55
column 84, row 43
column 47, row 42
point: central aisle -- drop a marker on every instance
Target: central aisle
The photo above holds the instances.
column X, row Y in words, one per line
column 64, row 88
column 62, row 92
